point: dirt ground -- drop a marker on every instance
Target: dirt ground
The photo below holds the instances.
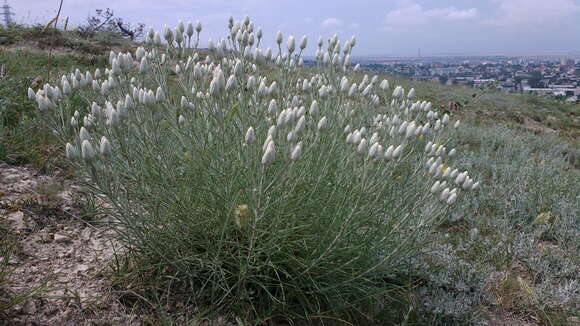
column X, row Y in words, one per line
column 58, row 251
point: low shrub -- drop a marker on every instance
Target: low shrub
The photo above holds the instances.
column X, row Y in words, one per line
column 301, row 195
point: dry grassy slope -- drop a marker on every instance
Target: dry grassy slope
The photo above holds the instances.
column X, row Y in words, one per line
column 530, row 112
column 522, row 111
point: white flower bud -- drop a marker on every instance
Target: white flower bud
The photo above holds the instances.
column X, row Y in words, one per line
column 88, row 153
column 446, row 173
column 272, row 107
column 273, row 89
column 113, row 117
column 250, row 136
column 251, row 84
column 314, row 108
column 373, row 149
column 296, row 152
column 71, row 152
column 384, row 85
column 347, row 60
column 231, row 83
column 467, row 184
column 322, row 124
column 445, row 194
column 374, row 138
column 456, row 125
column 279, row 37
column 300, row 124
column 389, row 152
column 452, row 198
column 84, row 134
column 397, row 152
column 352, row 91
column 129, row 104
column 160, row 95
column 460, row 178
column 367, row 90
column 87, row 122
column 435, row 187
column 65, row 87
column 349, row 138
column 116, row 67
column 445, row 118
column 399, row 92
column 105, row 147
column 272, row 132
column 410, row 130
column 323, row 91
column 269, row 154
column 143, row 66
column 303, row 42
column 31, row 94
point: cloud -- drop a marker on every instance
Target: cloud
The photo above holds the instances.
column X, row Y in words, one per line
column 331, row 22
column 413, row 14
column 521, row 12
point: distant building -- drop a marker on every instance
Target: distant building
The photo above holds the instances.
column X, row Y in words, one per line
column 443, row 71
column 566, row 61
column 482, row 83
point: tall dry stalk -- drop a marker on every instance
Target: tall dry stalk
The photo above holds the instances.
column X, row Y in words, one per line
column 55, row 20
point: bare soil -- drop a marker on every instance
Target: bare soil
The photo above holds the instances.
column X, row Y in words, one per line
column 59, row 252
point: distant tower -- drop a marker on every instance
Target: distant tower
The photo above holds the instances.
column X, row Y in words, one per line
column 419, row 53
column 6, row 11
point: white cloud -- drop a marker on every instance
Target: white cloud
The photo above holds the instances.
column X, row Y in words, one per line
column 331, row 22
column 353, row 26
column 518, row 12
column 413, row 14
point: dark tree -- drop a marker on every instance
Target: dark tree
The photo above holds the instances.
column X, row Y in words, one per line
column 105, row 20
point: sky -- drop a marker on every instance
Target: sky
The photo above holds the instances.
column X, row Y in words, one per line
column 382, row 27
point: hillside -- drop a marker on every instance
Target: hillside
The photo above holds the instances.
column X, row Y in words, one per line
column 505, row 255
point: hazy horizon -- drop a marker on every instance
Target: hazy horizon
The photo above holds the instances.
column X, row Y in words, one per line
column 398, row 28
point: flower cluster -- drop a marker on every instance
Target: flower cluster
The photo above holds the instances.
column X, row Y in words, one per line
column 233, row 70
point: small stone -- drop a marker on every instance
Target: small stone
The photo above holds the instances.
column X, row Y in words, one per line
column 17, row 220
column 86, row 235
column 82, row 268
column 60, row 238
column 46, row 237
column 29, row 307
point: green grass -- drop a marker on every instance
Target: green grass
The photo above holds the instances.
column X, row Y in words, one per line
column 24, row 138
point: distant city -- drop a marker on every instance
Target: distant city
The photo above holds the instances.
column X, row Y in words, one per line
column 555, row 76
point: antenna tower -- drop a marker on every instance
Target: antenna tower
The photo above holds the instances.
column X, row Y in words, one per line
column 7, row 13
